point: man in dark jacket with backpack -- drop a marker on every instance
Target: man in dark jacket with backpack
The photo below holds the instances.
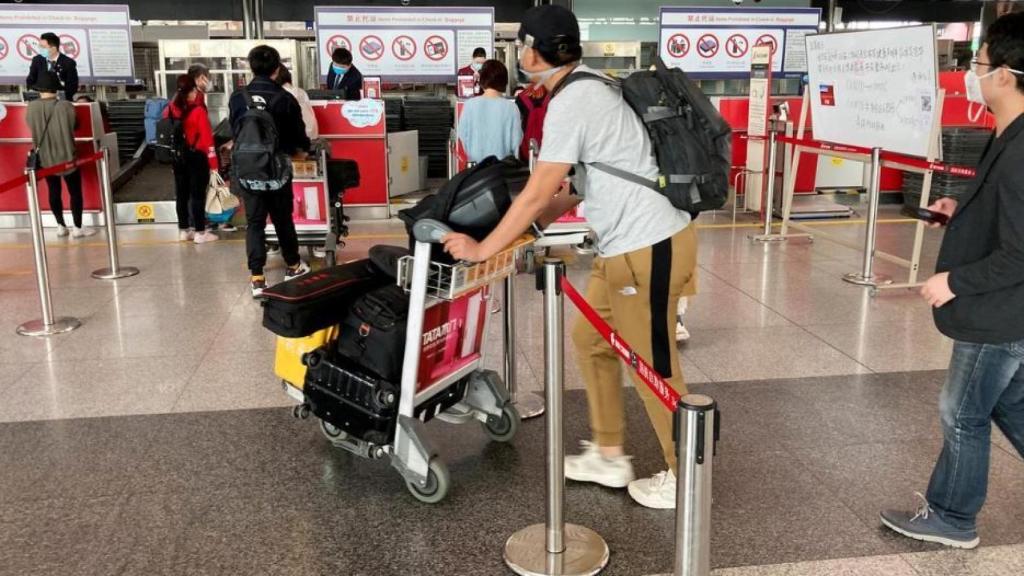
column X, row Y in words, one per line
column 260, row 114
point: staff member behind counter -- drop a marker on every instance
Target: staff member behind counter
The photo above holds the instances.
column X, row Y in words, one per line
column 50, row 59
column 647, row 248
column 344, row 76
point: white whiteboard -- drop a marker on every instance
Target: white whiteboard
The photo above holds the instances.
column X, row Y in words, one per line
column 874, row 88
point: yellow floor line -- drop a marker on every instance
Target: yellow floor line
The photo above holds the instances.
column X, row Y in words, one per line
column 728, row 225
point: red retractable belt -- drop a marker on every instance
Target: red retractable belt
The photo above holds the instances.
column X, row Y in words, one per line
column 890, row 157
column 654, row 381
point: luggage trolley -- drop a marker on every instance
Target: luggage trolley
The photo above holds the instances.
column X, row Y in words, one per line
column 442, row 373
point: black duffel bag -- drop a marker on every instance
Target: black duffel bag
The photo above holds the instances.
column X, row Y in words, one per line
column 373, row 332
column 303, row 305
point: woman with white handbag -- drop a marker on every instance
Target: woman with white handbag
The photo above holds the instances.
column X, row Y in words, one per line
column 198, row 162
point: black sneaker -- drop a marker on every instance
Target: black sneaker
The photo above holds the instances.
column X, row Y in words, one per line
column 258, row 284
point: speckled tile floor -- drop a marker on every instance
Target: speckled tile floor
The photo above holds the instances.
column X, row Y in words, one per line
column 156, row 440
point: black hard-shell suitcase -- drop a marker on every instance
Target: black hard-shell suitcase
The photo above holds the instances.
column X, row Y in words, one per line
column 373, row 331
column 300, row 307
column 340, row 393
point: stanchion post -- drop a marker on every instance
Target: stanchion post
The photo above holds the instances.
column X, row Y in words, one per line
column 555, row 548
column 527, row 404
column 48, row 325
column 867, row 276
column 766, row 235
column 115, row 270
column 696, row 432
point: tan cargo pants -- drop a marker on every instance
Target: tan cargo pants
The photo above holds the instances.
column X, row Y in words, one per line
column 637, row 294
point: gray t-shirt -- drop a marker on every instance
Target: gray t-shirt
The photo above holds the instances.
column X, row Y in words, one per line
column 591, row 122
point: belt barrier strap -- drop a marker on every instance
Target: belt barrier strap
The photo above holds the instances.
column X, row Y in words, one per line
column 889, row 157
column 19, row 180
column 654, row 381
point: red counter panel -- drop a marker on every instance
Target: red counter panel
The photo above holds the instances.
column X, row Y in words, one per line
column 365, row 142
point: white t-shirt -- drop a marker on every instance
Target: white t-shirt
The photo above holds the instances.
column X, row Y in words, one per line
column 589, row 122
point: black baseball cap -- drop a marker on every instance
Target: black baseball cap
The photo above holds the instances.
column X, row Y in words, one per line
column 550, row 28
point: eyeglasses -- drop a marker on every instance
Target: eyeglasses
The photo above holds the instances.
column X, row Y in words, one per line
column 975, row 63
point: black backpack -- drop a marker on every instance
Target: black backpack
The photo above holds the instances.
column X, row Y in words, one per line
column 373, row 333
column 692, row 143
column 169, row 146
column 257, row 163
column 473, row 202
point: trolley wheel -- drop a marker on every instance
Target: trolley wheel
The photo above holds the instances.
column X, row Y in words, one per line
column 436, row 488
column 503, row 428
column 301, row 412
column 332, row 432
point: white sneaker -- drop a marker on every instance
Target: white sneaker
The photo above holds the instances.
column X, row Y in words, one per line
column 62, row 231
column 658, row 491
column 228, row 227
column 682, row 334
column 186, row 235
column 591, row 466
column 82, row 232
column 300, row 269
column 204, row 237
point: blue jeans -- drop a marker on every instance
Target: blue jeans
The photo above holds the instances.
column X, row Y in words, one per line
column 985, row 384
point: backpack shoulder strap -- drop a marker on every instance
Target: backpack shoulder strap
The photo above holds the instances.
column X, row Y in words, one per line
column 576, row 76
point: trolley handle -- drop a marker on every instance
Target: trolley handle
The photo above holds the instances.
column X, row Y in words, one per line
column 430, row 231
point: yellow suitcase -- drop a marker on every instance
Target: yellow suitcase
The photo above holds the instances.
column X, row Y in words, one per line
column 288, row 355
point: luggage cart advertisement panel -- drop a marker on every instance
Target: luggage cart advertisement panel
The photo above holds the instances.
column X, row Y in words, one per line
column 97, row 38
column 716, row 43
column 398, row 44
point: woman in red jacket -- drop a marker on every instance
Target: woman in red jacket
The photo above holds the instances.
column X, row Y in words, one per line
column 192, row 173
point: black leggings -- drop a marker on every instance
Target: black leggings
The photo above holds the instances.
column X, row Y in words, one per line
column 74, row 182
column 191, row 177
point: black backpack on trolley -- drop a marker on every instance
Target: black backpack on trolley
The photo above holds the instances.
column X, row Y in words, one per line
column 692, row 142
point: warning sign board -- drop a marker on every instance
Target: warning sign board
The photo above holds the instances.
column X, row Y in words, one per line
column 70, row 46
column 144, row 213
column 678, row 45
column 723, row 39
column 418, row 44
column 28, row 44
column 707, row 46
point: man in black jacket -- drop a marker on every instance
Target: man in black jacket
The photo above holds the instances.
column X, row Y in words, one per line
column 51, row 59
column 978, row 301
column 344, row 76
column 264, row 62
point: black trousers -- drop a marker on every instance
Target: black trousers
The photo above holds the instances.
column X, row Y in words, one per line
column 74, row 182
column 278, row 207
column 191, row 177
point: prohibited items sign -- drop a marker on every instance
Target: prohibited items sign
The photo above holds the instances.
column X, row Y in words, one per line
column 371, row 47
column 70, row 46
column 737, row 45
column 678, row 45
column 707, row 46
column 338, row 41
column 435, row 47
column 768, row 40
column 403, row 47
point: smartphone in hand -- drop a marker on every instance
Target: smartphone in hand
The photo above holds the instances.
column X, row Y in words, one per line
column 929, row 216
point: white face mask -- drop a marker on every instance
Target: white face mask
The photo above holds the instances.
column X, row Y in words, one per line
column 542, row 76
column 972, row 82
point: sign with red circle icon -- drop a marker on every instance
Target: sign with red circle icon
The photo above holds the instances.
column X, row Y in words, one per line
column 708, row 45
column 678, row 45
column 26, row 46
column 767, row 40
column 338, row 41
column 70, row 46
column 4, row 48
column 371, row 47
column 435, row 47
column 403, row 47
column 737, row 45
